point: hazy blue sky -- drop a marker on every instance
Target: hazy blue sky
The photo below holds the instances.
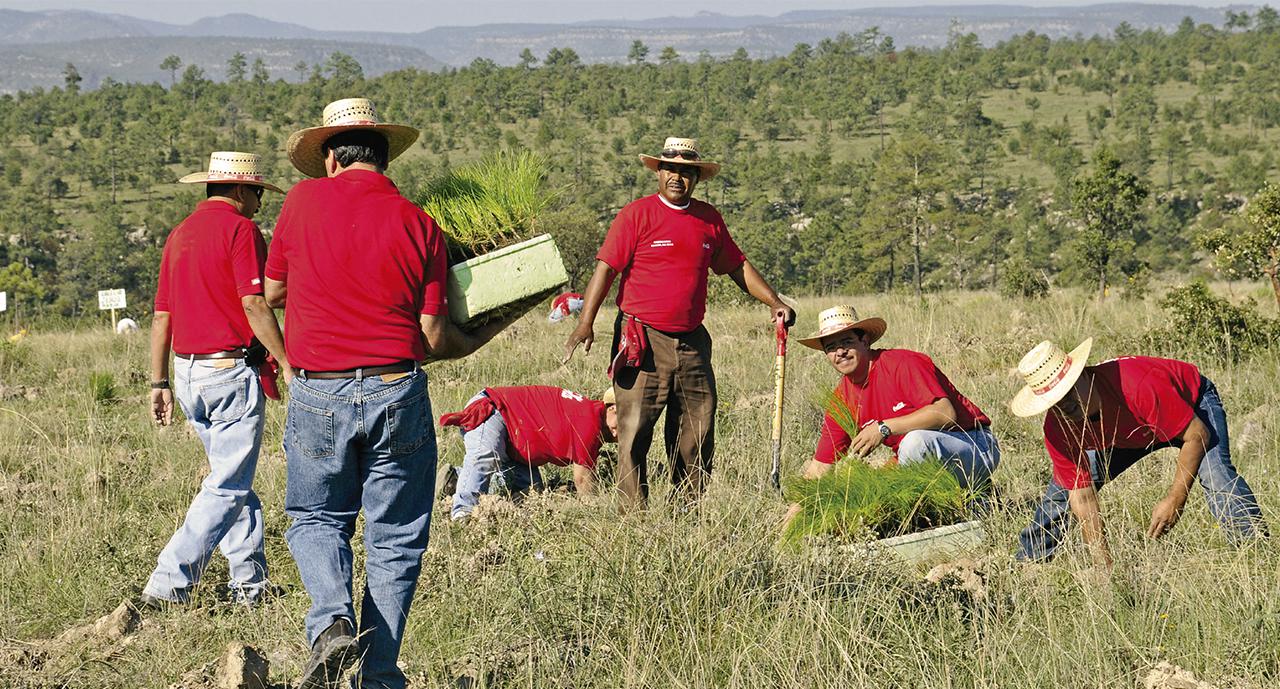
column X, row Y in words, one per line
column 410, row 15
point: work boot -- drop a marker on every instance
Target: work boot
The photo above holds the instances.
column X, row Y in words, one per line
column 332, row 654
column 448, row 484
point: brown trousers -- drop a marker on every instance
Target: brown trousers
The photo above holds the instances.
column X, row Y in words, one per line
column 676, row 376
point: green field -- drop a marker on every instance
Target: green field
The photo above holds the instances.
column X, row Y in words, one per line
column 563, row 593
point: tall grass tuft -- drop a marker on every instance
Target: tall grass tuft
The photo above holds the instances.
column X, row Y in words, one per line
column 855, row 498
column 489, row 204
column 102, row 387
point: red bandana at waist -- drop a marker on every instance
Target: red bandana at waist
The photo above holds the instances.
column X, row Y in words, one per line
column 632, row 346
column 472, row 416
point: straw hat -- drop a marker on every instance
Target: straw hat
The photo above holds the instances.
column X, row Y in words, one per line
column 305, row 147
column 231, row 167
column 838, row 319
column 682, row 152
column 1049, row 373
column 608, row 396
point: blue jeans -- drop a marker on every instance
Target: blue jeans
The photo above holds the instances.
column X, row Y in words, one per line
column 352, row 444
column 486, row 455
column 225, row 407
column 970, row 456
column 1230, row 499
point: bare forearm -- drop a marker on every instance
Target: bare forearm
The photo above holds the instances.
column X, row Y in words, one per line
column 937, row 416
column 597, row 290
column 584, row 480
column 1084, row 505
column 262, row 320
column 161, row 334
column 1195, row 441
column 752, row 282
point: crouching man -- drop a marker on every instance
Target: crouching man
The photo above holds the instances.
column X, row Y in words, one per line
column 512, row 431
column 1102, row 419
column 897, row 398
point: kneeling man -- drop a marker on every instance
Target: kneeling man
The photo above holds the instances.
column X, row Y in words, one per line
column 512, row 431
column 1104, row 418
column 898, row 398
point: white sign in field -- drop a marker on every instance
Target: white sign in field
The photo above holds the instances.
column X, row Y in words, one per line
column 110, row 299
column 4, row 301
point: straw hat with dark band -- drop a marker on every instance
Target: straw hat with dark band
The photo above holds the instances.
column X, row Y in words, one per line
column 306, row 147
column 231, row 167
column 1049, row 373
column 838, row 319
column 682, row 152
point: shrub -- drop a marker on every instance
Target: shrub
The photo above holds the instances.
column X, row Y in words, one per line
column 1203, row 323
column 1021, row 280
column 490, row 204
column 102, row 387
column 856, row 497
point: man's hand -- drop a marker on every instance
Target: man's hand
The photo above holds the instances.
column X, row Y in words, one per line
column 866, row 440
column 1166, row 514
column 786, row 313
column 162, row 406
column 584, row 335
column 287, row 374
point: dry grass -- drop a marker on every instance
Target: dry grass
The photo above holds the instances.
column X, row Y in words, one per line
column 565, row 593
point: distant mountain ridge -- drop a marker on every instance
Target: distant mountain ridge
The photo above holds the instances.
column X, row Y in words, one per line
column 35, row 46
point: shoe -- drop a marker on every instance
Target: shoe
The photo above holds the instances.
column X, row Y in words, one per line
column 146, row 602
column 448, row 484
column 334, row 651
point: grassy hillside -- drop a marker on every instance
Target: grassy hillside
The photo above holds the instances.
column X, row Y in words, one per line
column 564, row 593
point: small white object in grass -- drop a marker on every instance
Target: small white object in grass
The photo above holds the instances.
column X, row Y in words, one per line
column 126, row 326
column 540, row 556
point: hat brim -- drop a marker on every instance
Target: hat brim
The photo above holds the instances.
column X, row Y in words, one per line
column 874, row 327
column 1027, row 403
column 707, row 169
column 203, row 178
column 306, row 146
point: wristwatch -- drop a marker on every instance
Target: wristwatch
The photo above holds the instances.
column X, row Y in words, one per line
column 884, row 429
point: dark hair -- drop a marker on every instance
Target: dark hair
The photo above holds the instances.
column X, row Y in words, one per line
column 219, row 189
column 358, row 146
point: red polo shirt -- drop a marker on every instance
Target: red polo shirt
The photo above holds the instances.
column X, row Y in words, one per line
column 1145, row 401
column 361, row 264
column 549, row 425
column 663, row 254
column 899, row 382
column 210, row 260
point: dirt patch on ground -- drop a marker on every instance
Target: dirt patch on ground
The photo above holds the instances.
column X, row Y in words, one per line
column 1166, row 675
column 965, row 574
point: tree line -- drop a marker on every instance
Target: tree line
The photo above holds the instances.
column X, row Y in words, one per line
column 850, row 165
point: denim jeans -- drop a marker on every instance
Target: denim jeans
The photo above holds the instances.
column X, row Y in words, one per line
column 225, row 407
column 1230, row 499
column 352, row 444
column 486, row 455
column 971, row 456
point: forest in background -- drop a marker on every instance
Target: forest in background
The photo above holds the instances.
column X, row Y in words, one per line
column 849, row 165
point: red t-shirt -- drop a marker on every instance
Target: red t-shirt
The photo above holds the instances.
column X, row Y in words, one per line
column 211, row 260
column 1145, row 401
column 549, row 425
column 663, row 254
column 361, row 263
column 900, row 382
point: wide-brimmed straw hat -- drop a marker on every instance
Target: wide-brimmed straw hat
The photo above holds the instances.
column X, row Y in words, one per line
column 609, row 396
column 231, row 167
column 305, row 147
column 838, row 319
column 682, row 152
column 1049, row 373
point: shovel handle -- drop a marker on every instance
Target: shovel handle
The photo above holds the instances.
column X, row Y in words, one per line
column 780, row 377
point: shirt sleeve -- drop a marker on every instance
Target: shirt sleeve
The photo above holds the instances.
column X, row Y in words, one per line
column 918, row 382
column 277, row 267
column 248, row 256
column 1070, row 463
column 728, row 257
column 162, row 284
column 434, row 284
column 833, row 441
column 1157, row 404
column 620, row 242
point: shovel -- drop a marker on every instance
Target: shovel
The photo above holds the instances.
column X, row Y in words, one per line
column 780, row 377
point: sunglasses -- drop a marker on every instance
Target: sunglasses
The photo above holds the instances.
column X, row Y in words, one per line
column 677, row 153
column 682, row 170
column 257, row 191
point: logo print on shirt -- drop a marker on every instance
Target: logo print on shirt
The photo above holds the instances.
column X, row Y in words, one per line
column 662, row 243
column 899, row 406
column 255, row 281
column 706, row 246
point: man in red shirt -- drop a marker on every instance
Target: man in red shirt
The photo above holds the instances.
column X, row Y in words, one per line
column 897, row 398
column 663, row 246
column 363, row 271
column 1104, row 418
column 209, row 307
column 513, row 431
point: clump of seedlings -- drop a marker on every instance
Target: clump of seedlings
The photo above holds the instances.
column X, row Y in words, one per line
column 489, row 204
column 855, row 498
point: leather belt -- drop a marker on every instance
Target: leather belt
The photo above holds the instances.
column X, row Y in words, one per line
column 398, row 367
column 231, row 354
